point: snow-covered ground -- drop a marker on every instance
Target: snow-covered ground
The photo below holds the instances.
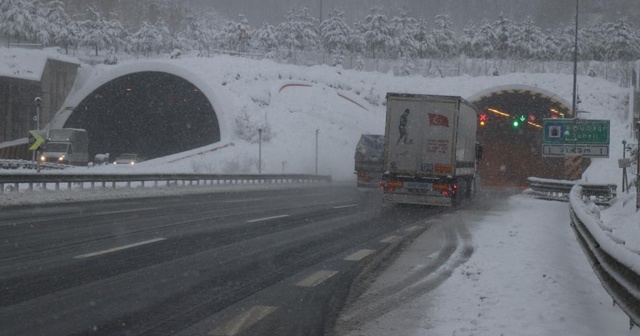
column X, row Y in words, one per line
column 526, row 275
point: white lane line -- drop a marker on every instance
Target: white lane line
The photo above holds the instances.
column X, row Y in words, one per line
column 243, row 321
column 345, row 206
column 124, row 211
column 412, row 228
column 266, row 218
column 390, row 239
column 359, row 255
column 245, row 200
column 316, row 278
column 119, row 248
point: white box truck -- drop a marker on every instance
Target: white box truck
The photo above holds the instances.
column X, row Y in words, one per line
column 66, row 146
column 430, row 149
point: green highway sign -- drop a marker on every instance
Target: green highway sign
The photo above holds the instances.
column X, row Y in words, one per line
column 579, row 137
column 576, row 132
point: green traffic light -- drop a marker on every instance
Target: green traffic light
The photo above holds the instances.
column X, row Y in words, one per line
column 516, row 123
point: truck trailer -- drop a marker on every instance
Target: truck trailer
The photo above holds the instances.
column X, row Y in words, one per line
column 430, row 149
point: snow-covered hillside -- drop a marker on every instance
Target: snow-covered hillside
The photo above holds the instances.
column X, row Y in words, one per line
column 291, row 102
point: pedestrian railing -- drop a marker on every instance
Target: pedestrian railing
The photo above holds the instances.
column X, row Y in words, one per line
column 15, row 182
column 610, row 259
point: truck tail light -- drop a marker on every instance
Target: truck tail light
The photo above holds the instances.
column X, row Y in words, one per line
column 446, row 189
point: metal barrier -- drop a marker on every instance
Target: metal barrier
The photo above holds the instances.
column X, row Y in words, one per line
column 27, row 164
column 601, row 194
column 11, row 182
column 618, row 279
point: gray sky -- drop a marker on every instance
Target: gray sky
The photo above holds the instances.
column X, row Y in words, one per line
column 546, row 13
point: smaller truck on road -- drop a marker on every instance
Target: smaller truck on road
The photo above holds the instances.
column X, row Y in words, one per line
column 430, row 149
column 66, row 146
column 369, row 158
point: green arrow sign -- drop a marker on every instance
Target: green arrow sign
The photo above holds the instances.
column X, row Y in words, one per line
column 35, row 140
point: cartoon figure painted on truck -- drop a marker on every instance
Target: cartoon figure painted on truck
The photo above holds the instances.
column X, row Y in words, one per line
column 402, row 127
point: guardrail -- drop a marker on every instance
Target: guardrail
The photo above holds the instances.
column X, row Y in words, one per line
column 618, row 278
column 14, row 182
column 26, row 164
column 601, row 194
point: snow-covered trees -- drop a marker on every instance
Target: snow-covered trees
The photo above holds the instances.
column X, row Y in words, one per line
column 265, row 38
column 528, row 42
column 146, row 39
column 444, row 38
column 298, row 31
column 335, row 35
column 404, row 32
column 376, row 31
column 199, row 35
column 101, row 33
column 19, row 19
column 621, row 41
column 235, row 36
column 478, row 42
column 504, row 28
column 404, row 37
column 64, row 31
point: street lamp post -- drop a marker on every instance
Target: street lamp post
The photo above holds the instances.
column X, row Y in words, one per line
column 575, row 65
column 38, row 102
column 259, row 150
column 638, row 168
column 624, row 169
column 36, row 118
column 317, row 131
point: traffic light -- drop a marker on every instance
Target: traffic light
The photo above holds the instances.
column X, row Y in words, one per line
column 482, row 117
column 516, row 123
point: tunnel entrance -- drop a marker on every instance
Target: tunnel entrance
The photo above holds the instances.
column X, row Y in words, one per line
column 510, row 131
column 152, row 114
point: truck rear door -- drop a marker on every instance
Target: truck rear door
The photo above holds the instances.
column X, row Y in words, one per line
column 421, row 135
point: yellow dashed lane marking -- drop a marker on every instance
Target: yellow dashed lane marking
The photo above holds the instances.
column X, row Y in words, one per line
column 243, row 321
column 359, row 255
column 390, row 239
column 316, row 278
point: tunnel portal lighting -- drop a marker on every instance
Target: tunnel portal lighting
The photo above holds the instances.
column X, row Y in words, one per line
column 499, row 112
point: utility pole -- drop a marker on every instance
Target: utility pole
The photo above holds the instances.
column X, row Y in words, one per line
column 638, row 168
column 259, row 150
column 575, row 66
column 317, row 131
column 624, row 169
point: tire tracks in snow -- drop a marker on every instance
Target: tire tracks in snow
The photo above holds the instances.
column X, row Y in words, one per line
column 456, row 250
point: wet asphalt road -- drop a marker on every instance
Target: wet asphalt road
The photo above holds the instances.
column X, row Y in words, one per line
column 236, row 263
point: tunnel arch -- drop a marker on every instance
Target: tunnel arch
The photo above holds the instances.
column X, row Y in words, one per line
column 512, row 135
column 197, row 122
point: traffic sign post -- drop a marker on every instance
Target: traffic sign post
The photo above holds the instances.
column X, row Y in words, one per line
column 580, row 137
column 36, row 142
